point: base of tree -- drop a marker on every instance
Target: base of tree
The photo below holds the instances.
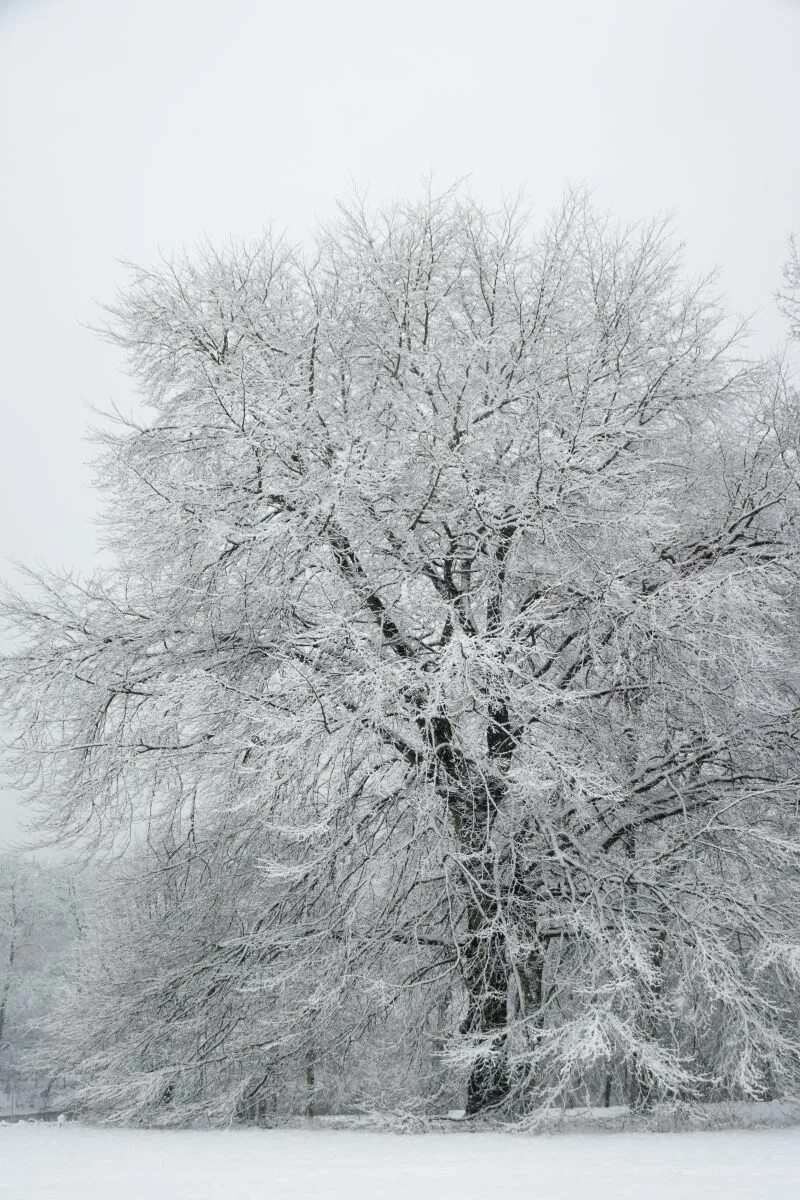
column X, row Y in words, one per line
column 488, row 1086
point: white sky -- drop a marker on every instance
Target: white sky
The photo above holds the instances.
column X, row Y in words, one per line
column 127, row 127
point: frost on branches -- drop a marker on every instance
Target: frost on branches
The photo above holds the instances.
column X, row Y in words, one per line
column 444, row 692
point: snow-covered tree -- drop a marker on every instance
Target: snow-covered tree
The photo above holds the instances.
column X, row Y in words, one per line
column 39, row 922
column 789, row 297
column 456, row 586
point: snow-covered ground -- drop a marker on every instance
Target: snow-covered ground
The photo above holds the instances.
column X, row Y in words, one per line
column 48, row 1162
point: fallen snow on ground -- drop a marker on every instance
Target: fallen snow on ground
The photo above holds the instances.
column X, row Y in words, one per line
column 72, row 1162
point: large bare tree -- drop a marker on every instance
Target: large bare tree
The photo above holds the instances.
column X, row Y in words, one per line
column 459, row 559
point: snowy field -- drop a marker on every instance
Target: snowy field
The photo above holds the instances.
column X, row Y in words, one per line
column 47, row 1162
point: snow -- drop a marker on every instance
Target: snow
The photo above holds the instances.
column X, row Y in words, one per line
column 73, row 1162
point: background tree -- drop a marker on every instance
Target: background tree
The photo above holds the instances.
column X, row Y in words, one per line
column 789, row 298
column 456, row 566
column 39, row 923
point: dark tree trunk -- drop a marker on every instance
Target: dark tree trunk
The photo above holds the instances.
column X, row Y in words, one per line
column 310, row 1082
column 487, row 987
column 473, row 805
column 607, row 1091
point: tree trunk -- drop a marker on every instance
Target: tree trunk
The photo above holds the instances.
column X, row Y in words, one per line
column 310, row 1083
column 487, row 985
column 607, row 1091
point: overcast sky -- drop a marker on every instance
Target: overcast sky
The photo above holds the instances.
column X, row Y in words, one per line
column 132, row 126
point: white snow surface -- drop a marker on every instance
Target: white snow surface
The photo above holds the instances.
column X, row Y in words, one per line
column 73, row 1162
